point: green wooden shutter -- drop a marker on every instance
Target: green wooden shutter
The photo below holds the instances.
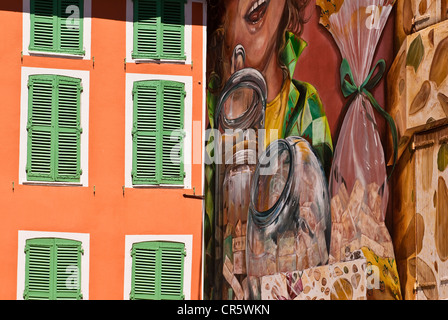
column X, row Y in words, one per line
column 146, row 24
column 68, row 130
column 144, row 271
column 173, row 133
column 159, row 29
column 172, row 271
column 172, row 33
column 56, row 28
column 43, row 25
column 38, row 270
column 53, row 269
column 158, row 135
column 145, row 132
column 54, row 129
column 157, row 271
column 68, row 269
column 40, row 128
column 70, row 26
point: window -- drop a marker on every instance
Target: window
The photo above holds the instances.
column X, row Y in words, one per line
column 159, row 29
column 52, row 269
column 54, row 130
column 57, row 26
column 158, row 123
column 157, row 270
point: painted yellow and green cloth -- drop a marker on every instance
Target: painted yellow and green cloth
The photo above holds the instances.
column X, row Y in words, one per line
column 388, row 287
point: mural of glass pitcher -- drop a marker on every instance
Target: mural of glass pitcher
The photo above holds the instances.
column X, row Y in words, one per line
column 239, row 116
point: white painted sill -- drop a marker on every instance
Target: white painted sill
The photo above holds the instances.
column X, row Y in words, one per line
column 56, row 55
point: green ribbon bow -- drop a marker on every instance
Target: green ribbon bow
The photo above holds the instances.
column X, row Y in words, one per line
column 349, row 88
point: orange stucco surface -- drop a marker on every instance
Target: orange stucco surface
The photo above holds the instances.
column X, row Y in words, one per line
column 108, row 214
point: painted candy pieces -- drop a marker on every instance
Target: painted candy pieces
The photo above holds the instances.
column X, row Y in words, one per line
column 359, row 223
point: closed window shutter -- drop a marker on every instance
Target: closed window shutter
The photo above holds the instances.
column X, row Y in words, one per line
column 173, row 29
column 69, row 130
column 68, row 269
column 145, row 268
column 57, row 26
column 172, row 271
column 157, row 271
column 147, row 21
column 53, row 269
column 159, row 29
column 70, row 26
column 43, row 24
column 39, row 271
column 54, row 129
column 158, row 135
column 145, row 132
column 40, row 128
column 173, row 134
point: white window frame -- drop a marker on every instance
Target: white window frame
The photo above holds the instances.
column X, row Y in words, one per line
column 187, row 240
column 87, row 30
column 130, row 36
column 84, row 105
column 188, row 116
column 25, row 235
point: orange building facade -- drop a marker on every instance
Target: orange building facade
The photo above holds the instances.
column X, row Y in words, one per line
column 107, row 206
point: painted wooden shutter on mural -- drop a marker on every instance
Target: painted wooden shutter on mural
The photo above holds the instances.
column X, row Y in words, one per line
column 54, row 129
column 157, row 271
column 159, row 29
column 53, row 269
column 57, row 26
column 158, row 135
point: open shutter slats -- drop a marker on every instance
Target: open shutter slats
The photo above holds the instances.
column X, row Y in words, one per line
column 173, row 98
column 68, row 155
column 171, row 159
column 40, row 154
column 147, row 108
column 68, row 105
column 146, row 158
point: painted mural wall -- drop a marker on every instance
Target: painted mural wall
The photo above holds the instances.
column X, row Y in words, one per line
column 302, row 150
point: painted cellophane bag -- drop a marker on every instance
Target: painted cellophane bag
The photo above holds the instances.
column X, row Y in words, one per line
column 358, row 180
